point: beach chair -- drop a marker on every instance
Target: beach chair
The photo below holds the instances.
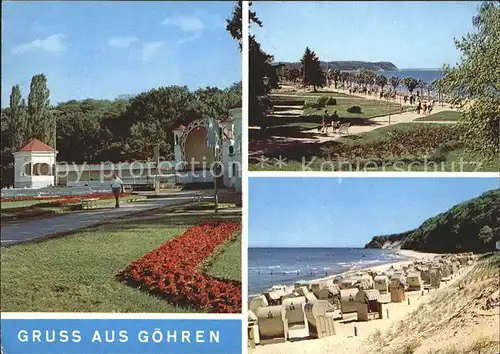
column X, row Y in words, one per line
column 294, row 313
column 273, row 325
column 320, row 325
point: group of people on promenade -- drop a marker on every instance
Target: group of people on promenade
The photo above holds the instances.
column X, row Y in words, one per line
column 327, row 120
column 425, row 107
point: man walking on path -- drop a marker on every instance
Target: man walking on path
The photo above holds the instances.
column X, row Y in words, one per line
column 117, row 187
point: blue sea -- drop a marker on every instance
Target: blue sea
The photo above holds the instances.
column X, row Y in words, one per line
column 271, row 266
column 428, row 75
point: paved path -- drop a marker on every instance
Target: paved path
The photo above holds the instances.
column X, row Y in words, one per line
column 406, row 117
column 32, row 230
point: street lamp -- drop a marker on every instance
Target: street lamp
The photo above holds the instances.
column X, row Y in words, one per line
column 156, row 154
column 265, row 81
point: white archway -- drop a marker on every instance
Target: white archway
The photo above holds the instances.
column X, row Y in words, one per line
column 196, row 124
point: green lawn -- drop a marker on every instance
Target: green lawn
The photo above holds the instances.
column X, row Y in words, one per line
column 226, row 264
column 448, row 116
column 20, row 204
column 369, row 108
column 319, row 93
column 76, row 273
column 27, row 209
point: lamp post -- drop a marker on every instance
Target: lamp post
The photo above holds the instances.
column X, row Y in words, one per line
column 55, row 152
column 265, row 81
column 157, row 162
column 216, row 189
column 389, row 102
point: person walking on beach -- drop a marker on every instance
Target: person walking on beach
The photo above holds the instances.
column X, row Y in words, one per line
column 117, row 188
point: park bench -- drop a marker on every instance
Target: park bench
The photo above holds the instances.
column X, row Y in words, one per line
column 344, row 128
column 89, row 203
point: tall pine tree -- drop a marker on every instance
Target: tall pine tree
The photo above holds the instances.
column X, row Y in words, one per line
column 17, row 119
column 41, row 120
column 311, row 70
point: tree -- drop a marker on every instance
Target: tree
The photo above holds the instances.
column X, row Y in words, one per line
column 212, row 102
column 410, row 83
column 311, row 70
column 381, row 81
column 335, row 76
column 234, row 23
column 260, row 65
column 486, row 234
column 367, row 76
column 344, row 77
column 477, row 78
column 41, row 122
column 395, row 82
column 16, row 119
column 429, row 87
column 291, row 73
column 421, row 85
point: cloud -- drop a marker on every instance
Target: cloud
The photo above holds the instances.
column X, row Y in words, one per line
column 150, row 48
column 51, row 44
column 121, row 42
column 185, row 23
column 191, row 38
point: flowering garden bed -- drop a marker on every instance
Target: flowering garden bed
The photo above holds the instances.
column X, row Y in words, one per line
column 174, row 270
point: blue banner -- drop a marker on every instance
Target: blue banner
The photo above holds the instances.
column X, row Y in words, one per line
column 129, row 336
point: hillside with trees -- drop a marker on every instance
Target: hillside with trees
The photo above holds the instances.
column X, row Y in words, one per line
column 472, row 226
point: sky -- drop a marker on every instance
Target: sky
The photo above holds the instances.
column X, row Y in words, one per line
column 410, row 34
column 348, row 212
column 104, row 49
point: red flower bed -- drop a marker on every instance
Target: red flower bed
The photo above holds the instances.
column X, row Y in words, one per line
column 173, row 272
column 65, row 199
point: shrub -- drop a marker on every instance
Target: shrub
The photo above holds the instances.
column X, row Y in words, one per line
column 286, row 102
column 331, row 101
column 418, row 142
column 310, row 104
column 322, row 101
column 313, row 104
column 354, row 109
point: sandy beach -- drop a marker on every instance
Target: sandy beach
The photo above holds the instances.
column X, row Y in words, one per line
column 370, row 333
column 412, row 256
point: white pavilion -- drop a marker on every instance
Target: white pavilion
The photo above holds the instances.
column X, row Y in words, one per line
column 34, row 165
